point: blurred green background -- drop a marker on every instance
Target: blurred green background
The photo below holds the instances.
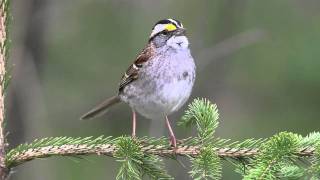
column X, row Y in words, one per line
column 258, row 60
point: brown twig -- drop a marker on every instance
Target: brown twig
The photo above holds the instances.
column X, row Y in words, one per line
column 3, row 36
column 110, row 149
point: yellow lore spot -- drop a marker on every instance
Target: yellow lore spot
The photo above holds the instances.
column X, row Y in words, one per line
column 170, row 27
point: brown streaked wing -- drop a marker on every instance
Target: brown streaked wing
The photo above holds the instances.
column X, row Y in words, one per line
column 133, row 70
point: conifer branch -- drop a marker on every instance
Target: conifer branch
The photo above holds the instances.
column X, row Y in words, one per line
column 270, row 158
column 109, row 149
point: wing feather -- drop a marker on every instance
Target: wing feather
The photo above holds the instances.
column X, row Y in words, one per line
column 132, row 72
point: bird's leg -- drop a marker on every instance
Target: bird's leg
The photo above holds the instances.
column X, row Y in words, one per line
column 134, row 124
column 173, row 140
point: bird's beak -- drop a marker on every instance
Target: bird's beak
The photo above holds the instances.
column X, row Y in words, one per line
column 180, row 32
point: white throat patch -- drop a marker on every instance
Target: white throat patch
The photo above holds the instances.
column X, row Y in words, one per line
column 178, row 42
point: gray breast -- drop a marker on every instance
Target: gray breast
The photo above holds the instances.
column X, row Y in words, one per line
column 164, row 85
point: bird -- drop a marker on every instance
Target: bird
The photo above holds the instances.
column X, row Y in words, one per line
column 160, row 80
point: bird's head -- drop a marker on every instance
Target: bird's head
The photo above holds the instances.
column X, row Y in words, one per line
column 168, row 32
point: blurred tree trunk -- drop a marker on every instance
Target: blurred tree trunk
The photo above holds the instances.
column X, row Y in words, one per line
column 28, row 57
column 25, row 101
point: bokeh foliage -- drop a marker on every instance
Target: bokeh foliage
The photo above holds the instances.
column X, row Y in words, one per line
column 261, row 90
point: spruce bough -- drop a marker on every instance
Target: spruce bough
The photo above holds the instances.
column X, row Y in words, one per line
column 283, row 156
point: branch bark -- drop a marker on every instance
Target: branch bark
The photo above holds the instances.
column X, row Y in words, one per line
column 110, row 149
column 3, row 38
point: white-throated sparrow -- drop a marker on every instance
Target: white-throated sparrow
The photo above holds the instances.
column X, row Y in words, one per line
column 160, row 80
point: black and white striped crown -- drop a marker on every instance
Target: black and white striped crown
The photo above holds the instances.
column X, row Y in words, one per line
column 166, row 25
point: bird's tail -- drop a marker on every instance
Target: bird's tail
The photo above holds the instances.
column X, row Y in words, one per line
column 101, row 108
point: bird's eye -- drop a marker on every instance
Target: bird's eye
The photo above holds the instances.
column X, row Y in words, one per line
column 165, row 32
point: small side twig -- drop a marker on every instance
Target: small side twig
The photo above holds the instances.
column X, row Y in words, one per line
column 230, row 46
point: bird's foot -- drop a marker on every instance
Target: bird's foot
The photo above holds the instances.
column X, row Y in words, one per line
column 173, row 141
